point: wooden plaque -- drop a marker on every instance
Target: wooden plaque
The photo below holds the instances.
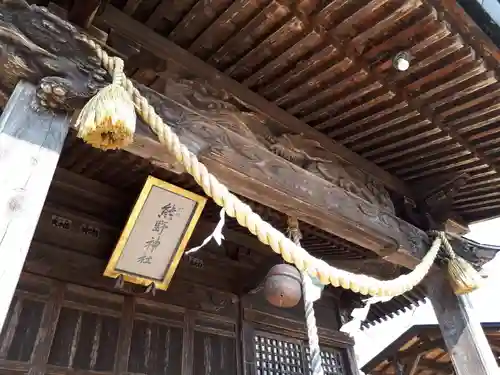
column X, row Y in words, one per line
column 156, row 234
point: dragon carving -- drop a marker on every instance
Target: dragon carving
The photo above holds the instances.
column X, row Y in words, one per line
column 311, row 156
column 305, row 153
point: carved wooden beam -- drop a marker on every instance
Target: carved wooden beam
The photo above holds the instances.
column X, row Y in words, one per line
column 474, row 252
column 125, row 25
column 251, row 170
column 47, row 51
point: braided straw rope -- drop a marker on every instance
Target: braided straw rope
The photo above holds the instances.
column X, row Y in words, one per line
column 316, row 362
column 268, row 235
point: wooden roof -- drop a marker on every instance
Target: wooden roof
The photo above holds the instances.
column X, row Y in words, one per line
column 328, row 64
column 324, row 68
column 424, row 341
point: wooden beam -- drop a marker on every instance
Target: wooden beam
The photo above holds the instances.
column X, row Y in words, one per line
column 251, row 170
column 421, row 348
column 461, row 329
column 123, row 24
column 86, row 270
column 228, row 147
column 82, row 12
column 413, row 366
column 352, row 361
column 495, row 348
column 125, row 335
column 31, row 140
column 114, row 199
column 441, row 367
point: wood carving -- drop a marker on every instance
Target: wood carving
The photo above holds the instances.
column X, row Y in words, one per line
column 212, row 301
column 313, row 157
column 41, row 48
column 475, row 253
column 434, row 204
column 237, row 146
column 203, row 124
column 305, row 153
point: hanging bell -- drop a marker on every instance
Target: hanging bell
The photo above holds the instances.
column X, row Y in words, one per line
column 282, row 286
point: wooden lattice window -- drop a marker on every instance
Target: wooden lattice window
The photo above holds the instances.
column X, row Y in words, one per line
column 276, row 355
column 331, row 359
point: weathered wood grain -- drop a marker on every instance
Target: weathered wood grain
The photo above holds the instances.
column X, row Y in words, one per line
column 168, row 50
column 31, row 140
column 251, row 170
column 461, row 329
column 48, row 327
column 224, row 145
column 96, row 332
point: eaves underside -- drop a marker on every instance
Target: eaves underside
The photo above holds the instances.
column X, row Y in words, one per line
column 329, row 65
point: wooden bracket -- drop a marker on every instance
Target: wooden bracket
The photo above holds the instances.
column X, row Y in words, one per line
column 434, row 207
column 475, row 253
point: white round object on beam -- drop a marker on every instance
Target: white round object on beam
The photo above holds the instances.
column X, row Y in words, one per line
column 402, row 65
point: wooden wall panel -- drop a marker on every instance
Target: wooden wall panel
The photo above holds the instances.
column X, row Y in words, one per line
column 69, row 319
column 155, row 349
column 325, row 308
column 214, row 354
column 28, row 322
column 87, row 331
column 21, row 331
column 96, row 333
column 81, row 223
column 85, row 341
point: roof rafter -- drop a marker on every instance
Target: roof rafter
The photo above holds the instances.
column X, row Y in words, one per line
column 169, row 51
column 414, row 103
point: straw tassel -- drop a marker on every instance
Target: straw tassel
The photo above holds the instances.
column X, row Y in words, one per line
column 96, row 128
column 107, row 121
column 463, row 277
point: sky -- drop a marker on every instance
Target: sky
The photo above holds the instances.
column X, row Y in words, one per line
column 371, row 341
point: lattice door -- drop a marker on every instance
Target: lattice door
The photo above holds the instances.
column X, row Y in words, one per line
column 276, row 355
column 331, row 359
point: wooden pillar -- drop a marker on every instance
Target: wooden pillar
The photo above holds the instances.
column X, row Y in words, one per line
column 352, row 361
column 31, row 140
column 461, row 329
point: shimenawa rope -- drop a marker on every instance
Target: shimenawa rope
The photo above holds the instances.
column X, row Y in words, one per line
column 309, row 298
column 114, row 127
